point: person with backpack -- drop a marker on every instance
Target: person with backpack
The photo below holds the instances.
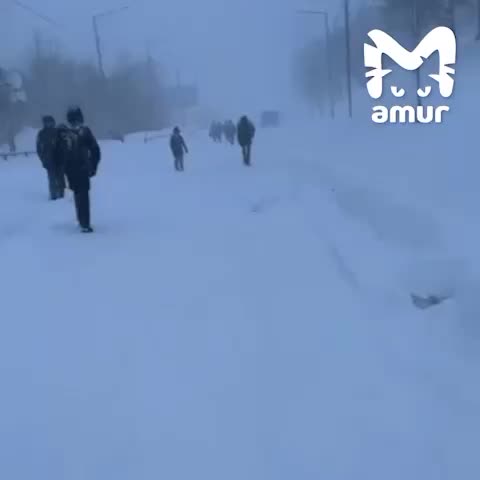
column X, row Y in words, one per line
column 80, row 156
column 61, row 150
column 245, row 135
column 178, row 148
column 46, row 148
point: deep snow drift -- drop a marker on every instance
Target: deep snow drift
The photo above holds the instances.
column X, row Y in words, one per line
column 233, row 323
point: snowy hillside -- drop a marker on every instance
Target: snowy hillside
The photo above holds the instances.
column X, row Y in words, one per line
column 232, row 323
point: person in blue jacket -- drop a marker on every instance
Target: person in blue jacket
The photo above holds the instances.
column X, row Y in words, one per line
column 178, row 148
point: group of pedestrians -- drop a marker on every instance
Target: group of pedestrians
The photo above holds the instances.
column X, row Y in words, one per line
column 244, row 131
column 72, row 153
column 216, row 132
column 219, row 130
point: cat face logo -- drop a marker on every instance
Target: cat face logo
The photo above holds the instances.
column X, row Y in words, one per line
column 441, row 39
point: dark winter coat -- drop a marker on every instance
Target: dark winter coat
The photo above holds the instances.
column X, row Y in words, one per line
column 178, row 145
column 46, row 147
column 245, row 132
column 79, row 154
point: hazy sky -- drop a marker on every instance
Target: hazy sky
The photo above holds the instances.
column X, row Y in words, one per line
column 239, row 52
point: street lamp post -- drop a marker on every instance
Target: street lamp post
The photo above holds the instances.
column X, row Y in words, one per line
column 96, row 34
column 329, row 61
column 38, row 14
column 98, row 47
column 478, row 21
column 348, row 56
column 416, row 34
column 451, row 10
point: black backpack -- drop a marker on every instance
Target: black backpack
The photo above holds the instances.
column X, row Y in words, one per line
column 81, row 149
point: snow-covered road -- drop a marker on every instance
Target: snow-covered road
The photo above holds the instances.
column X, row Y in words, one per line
column 233, row 323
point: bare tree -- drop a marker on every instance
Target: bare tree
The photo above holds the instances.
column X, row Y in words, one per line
column 129, row 100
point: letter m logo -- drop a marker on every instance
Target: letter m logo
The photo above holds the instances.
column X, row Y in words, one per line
column 441, row 39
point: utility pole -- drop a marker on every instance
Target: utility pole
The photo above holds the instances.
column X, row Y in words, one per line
column 478, row 20
column 416, row 36
column 328, row 54
column 348, row 56
column 37, row 41
column 98, row 47
column 329, row 62
column 451, row 10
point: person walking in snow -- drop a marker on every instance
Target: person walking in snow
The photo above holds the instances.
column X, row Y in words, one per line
column 230, row 131
column 216, row 132
column 61, row 150
column 212, row 133
column 46, row 148
column 80, row 156
column 178, row 148
column 245, row 135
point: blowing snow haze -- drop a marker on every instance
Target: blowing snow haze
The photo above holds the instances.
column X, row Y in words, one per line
column 187, row 293
column 222, row 45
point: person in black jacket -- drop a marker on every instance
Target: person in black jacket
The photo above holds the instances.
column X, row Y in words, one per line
column 245, row 135
column 46, row 148
column 61, row 150
column 80, row 155
column 178, row 148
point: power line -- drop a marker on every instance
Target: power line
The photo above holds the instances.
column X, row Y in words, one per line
column 35, row 12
